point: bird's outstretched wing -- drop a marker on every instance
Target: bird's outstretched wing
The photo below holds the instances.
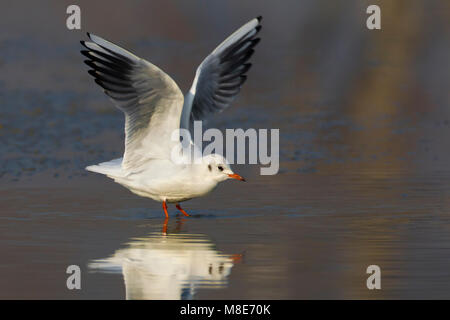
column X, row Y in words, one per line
column 220, row 76
column 150, row 99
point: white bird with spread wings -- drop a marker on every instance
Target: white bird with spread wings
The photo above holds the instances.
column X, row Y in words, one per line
column 155, row 107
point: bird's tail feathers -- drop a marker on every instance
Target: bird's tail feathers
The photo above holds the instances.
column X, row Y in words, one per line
column 110, row 168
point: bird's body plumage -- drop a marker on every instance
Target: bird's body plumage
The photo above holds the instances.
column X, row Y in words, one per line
column 156, row 179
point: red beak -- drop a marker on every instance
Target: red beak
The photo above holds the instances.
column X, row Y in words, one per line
column 236, row 176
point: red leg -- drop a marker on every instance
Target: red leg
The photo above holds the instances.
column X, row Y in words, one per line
column 164, row 230
column 165, row 209
column 181, row 209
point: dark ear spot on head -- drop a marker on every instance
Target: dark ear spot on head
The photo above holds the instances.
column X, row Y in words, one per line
column 209, row 167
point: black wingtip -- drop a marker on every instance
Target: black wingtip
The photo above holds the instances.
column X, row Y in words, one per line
column 259, row 18
column 83, row 43
column 92, row 73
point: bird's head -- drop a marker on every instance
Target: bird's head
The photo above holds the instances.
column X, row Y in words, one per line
column 217, row 167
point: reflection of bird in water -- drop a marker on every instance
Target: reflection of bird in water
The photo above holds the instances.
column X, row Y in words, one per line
column 169, row 266
column 155, row 111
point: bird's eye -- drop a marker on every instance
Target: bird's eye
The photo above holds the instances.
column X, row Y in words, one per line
column 220, row 168
column 209, row 167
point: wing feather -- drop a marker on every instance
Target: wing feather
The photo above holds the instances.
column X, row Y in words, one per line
column 150, row 99
column 221, row 75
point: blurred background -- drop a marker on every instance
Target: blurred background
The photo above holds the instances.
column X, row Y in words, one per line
column 364, row 153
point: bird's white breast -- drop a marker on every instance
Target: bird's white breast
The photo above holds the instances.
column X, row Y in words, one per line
column 166, row 181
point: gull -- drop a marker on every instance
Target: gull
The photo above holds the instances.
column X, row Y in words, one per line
column 169, row 266
column 155, row 108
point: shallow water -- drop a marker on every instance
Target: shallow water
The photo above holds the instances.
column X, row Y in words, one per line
column 314, row 241
column 364, row 121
